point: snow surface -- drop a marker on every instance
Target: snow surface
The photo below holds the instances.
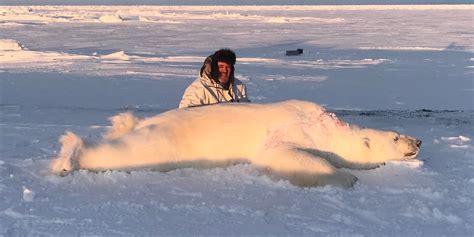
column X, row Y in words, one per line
column 404, row 68
column 226, row 2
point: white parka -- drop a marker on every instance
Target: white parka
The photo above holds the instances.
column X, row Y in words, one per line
column 205, row 91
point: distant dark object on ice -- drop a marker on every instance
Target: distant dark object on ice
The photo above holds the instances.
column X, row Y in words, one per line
column 294, row 52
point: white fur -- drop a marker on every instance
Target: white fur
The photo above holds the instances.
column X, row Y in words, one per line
column 121, row 124
column 295, row 140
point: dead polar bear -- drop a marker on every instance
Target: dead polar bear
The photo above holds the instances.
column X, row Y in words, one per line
column 294, row 140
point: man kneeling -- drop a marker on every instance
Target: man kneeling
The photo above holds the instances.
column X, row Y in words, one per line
column 216, row 82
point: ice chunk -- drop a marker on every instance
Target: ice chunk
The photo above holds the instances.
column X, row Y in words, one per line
column 120, row 55
column 10, row 45
column 28, row 194
column 111, row 19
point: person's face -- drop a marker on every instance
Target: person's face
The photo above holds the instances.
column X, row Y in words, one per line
column 224, row 71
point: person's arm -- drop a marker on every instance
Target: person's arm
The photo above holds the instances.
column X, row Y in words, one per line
column 189, row 100
column 193, row 96
column 244, row 98
column 241, row 91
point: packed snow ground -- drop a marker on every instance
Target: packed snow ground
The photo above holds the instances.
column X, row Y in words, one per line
column 404, row 68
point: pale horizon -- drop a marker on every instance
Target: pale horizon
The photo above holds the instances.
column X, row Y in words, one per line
column 229, row 2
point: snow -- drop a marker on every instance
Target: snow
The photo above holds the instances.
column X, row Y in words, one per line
column 28, row 195
column 9, row 45
column 111, row 19
column 120, row 55
column 405, row 68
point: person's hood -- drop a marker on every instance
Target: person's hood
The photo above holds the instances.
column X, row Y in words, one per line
column 210, row 71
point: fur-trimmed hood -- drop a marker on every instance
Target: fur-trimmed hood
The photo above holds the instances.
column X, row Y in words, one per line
column 209, row 70
column 207, row 89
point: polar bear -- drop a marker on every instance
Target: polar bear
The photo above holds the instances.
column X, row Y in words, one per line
column 294, row 140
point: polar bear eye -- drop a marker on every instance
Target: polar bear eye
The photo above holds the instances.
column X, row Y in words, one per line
column 396, row 138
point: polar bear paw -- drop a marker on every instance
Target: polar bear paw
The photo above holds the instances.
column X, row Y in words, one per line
column 345, row 179
column 67, row 160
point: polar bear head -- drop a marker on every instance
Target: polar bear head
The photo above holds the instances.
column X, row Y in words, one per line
column 364, row 146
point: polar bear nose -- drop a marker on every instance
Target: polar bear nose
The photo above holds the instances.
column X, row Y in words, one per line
column 418, row 143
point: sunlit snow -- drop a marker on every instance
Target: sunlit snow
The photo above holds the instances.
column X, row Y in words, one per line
column 404, row 68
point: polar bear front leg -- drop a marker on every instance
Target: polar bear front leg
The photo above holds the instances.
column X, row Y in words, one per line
column 302, row 168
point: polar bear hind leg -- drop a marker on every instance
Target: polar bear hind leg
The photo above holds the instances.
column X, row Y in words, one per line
column 302, row 168
column 67, row 160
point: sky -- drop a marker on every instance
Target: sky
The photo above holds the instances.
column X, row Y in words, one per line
column 227, row 2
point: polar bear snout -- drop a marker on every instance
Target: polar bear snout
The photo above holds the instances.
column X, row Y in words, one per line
column 418, row 143
column 415, row 145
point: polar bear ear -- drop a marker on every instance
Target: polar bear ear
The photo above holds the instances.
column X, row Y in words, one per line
column 367, row 142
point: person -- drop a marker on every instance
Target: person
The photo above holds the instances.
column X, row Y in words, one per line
column 216, row 82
